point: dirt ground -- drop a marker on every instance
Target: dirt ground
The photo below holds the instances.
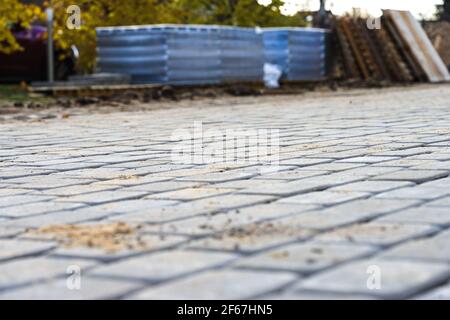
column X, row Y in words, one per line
column 16, row 104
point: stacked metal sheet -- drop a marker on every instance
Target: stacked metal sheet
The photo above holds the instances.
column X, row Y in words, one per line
column 242, row 54
column 181, row 54
column 301, row 53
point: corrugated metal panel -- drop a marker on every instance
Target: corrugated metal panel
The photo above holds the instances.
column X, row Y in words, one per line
column 242, row 54
column 419, row 45
column 181, row 54
column 300, row 52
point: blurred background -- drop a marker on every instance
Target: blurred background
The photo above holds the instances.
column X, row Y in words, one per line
column 23, row 30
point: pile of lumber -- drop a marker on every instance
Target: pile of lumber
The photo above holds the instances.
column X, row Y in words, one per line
column 439, row 34
column 395, row 50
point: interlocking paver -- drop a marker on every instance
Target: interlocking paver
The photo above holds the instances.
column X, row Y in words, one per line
column 425, row 215
column 163, row 266
column 31, row 270
column 441, row 293
column 191, row 193
column 377, row 233
column 227, row 284
column 15, row 200
column 90, row 288
column 326, row 197
column 420, row 192
column 444, row 202
column 436, row 248
column 150, row 243
column 398, row 279
column 305, row 258
column 12, row 249
column 37, row 208
column 347, row 213
column 104, row 197
column 418, row 176
column 315, row 295
column 355, row 185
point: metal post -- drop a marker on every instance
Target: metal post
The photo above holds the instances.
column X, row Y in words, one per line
column 322, row 14
column 50, row 53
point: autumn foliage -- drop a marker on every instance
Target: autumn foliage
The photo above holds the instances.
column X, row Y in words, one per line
column 13, row 13
column 96, row 13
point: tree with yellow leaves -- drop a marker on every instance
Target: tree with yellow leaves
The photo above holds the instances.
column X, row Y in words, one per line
column 12, row 14
column 98, row 13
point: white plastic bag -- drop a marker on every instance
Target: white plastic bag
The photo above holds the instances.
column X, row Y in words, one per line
column 272, row 75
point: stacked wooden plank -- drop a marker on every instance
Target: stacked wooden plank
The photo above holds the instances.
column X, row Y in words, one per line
column 397, row 51
column 439, row 34
column 417, row 45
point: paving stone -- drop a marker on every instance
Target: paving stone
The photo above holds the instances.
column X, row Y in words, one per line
column 219, row 176
column 326, row 198
column 372, row 186
column 368, row 159
column 212, row 224
column 304, row 162
column 79, row 189
column 439, row 183
column 133, row 180
column 7, row 192
column 402, row 153
column 250, row 238
column 226, row 284
column 333, row 167
column 409, row 163
column 434, row 156
column 377, row 233
column 165, row 214
column 13, row 249
column 31, row 270
column 98, row 289
column 315, row 295
column 305, row 258
column 10, row 232
column 336, row 179
column 371, row 171
column 152, row 243
column 162, row 266
column 399, row 279
column 417, row 176
column 104, row 197
column 6, row 202
column 32, row 209
column 231, row 201
column 114, row 167
column 23, row 172
column 440, row 293
column 426, row 215
column 283, row 188
column 417, row 192
column 239, row 184
column 436, row 248
column 58, row 218
column 437, row 165
column 191, row 193
column 347, row 213
column 164, row 186
column 291, row 175
column 444, row 202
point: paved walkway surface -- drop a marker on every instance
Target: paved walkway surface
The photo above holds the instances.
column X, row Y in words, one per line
column 358, row 208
